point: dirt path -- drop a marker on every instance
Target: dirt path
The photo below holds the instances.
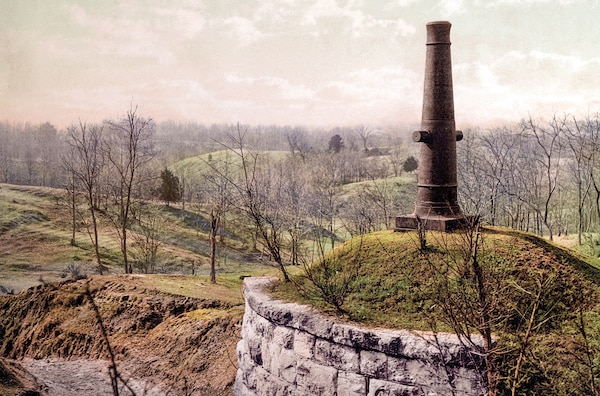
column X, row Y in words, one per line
column 83, row 377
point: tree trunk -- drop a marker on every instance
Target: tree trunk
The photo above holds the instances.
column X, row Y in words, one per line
column 213, row 245
column 96, row 249
column 73, row 213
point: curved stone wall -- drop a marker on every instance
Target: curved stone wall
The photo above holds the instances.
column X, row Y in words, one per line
column 290, row 349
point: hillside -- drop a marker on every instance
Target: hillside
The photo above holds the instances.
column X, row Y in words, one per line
column 171, row 331
column 35, row 235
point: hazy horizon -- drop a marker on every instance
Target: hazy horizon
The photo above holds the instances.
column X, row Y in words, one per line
column 292, row 62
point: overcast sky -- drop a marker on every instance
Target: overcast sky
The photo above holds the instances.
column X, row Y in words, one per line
column 292, row 62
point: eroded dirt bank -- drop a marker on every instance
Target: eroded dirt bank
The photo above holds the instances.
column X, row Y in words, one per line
column 163, row 343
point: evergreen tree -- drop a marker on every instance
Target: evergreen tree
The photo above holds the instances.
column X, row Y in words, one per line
column 410, row 164
column 336, row 144
column 169, row 187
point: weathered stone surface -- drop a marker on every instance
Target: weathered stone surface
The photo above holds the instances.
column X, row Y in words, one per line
column 284, row 336
column 240, row 388
column 335, row 355
column 304, row 344
column 386, row 388
column 287, row 363
column 374, row 364
column 398, row 371
column 351, row 384
column 288, row 349
column 315, row 378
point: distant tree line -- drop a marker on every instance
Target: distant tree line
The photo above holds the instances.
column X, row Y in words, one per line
column 30, row 154
column 541, row 176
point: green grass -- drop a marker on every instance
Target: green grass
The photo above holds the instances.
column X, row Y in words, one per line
column 35, row 236
column 391, row 287
column 227, row 288
column 201, row 164
column 386, row 280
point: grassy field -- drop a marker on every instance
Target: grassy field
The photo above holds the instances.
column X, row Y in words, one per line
column 35, row 235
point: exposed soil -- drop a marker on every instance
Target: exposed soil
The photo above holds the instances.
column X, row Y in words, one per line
column 163, row 343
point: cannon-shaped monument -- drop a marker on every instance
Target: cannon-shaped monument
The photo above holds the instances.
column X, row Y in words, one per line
column 437, row 206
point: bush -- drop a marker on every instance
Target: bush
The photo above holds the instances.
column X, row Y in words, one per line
column 74, row 271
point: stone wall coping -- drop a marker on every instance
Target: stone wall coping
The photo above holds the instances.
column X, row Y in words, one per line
column 399, row 343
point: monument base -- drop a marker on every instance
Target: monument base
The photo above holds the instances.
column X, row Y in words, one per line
column 433, row 223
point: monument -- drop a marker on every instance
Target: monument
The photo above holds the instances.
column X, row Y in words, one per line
column 437, row 206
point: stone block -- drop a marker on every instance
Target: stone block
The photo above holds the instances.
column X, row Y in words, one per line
column 465, row 381
column 304, row 344
column 254, row 346
column 245, row 362
column 284, row 336
column 261, row 382
column 316, row 378
column 350, row 384
column 398, row 372
column 424, row 374
column 374, row 364
column 386, row 388
column 273, row 387
column 354, row 336
column 286, row 363
column 314, row 323
column 240, row 388
column 269, row 353
column 252, row 378
column 339, row 356
column 263, row 327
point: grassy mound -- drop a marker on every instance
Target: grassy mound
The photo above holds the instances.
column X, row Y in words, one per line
column 540, row 302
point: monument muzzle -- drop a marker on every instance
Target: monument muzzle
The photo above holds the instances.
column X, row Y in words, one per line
column 437, row 206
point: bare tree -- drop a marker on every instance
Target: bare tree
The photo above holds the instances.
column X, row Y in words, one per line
column 325, row 184
column 547, row 158
column 85, row 164
column 364, row 132
column 129, row 149
column 259, row 195
column 592, row 128
column 146, row 241
column 297, row 142
column 581, row 167
column 294, row 203
column 218, row 197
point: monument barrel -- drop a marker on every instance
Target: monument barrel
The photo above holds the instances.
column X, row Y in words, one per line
column 437, row 205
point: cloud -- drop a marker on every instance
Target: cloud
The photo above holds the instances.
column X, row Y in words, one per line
column 533, row 2
column 121, row 33
column 268, row 88
column 375, row 85
column 518, row 83
column 184, row 22
column 244, row 30
column 451, row 7
column 323, row 15
column 366, row 25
